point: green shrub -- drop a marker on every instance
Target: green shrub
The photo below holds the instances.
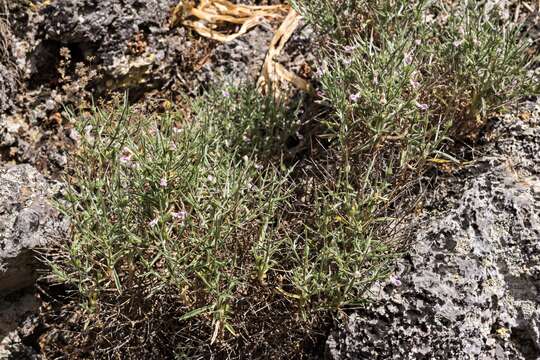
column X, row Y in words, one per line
column 166, row 205
column 199, row 234
column 459, row 64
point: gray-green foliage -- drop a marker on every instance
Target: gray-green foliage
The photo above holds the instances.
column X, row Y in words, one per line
column 199, row 218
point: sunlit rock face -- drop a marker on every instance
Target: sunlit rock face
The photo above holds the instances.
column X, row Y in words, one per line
column 470, row 286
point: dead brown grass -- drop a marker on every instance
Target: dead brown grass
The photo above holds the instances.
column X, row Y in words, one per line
column 219, row 20
column 273, row 73
column 214, row 18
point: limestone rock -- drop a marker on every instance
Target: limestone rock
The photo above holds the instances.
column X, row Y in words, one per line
column 27, row 222
column 470, row 286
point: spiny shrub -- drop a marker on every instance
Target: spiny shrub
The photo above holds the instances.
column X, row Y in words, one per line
column 455, row 63
column 191, row 233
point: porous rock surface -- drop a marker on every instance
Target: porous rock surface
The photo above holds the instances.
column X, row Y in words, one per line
column 469, row 288
column 67, row 52
column 125, row 37
column 27, row 222
column 8, row 73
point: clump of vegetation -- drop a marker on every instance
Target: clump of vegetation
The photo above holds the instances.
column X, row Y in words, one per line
column 199, row 234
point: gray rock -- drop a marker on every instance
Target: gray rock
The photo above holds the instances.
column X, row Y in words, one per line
column 129, row 40
column 9, row 81
column 27, row 222
column 16, row 323
column 470, row 286
column 239, row 61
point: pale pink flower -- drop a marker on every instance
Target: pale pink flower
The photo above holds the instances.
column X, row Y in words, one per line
column 418, row 42
column 125, row 159
column 408, row 59
column 163, row 182
column 173, row 146
column 226, row 93
column 415, row 84
column 422, row 107
column 394, row 280
column 354, row 97
column 180, row 215
column 458, row 43
column 154, row 222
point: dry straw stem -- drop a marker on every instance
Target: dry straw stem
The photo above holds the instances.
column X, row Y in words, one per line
column 212, row 15
column 273, row 72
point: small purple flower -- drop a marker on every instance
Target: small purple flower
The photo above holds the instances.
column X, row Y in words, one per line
column 226, row 93
column 354, row 97
column 348, row 48
column 180, row 215
column 163, row 182
column 415, row 84
column 418, row 42
column 422, row 107
column 394, row 280
column 125, row 159
column 154, row 222
column 408, row 59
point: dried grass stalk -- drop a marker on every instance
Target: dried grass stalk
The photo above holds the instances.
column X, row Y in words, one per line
column 273, row 73
column 211, row 15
